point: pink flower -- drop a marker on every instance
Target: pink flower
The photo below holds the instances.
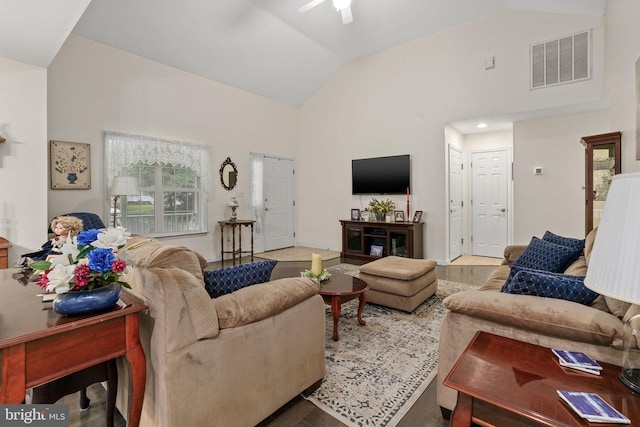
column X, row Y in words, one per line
column 43, row 281
column 118, row 266
column 81, row 276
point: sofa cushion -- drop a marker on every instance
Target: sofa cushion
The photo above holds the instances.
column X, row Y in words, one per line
column 547, row 316
column 400, row 268
column 576, row 244
column 263, row 300
column 550, row 285
column 230, row 279
column 546, row 256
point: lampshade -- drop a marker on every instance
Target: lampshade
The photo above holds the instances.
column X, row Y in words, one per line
column 614, row 266
column 124, row 186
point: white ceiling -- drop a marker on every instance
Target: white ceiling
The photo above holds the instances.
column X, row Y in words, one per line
column 262, row 46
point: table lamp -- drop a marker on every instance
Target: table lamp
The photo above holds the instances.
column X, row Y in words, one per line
column 233, row 204
column 122, row 186
column 614, row 266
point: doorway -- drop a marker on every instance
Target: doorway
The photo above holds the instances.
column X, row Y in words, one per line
column 272, row 200
column 490, row 202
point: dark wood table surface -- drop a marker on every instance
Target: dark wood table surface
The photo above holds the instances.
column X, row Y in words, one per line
column 339, row 289
column 38, row 345
column 504, row 382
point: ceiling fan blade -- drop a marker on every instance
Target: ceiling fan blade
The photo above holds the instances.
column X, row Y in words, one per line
column 347, row 16
column 310, row 5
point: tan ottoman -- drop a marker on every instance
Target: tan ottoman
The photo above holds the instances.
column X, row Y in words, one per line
column 401, row 283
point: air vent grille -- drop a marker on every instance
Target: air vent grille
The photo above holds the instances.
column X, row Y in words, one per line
column 563, row 60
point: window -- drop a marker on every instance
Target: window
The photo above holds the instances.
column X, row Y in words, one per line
column 172, row 178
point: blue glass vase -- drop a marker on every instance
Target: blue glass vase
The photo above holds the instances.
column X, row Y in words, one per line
column 86, row 302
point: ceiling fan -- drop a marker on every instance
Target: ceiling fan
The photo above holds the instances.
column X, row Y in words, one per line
column 343, row 6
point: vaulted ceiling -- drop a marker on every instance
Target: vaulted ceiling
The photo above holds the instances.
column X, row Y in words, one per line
column 263, row 46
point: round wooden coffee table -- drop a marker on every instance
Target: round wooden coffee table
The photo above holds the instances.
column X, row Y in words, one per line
column 339, row 289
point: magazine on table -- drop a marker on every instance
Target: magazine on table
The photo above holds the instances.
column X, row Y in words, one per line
column 592, row 407
column 577, row 360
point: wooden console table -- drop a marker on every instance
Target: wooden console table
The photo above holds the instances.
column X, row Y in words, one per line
column 504, row 382
column 394, row 238
column 38, row 345
column 233, row 224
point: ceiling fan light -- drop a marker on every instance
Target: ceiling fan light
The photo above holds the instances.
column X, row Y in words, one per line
column 341, row 4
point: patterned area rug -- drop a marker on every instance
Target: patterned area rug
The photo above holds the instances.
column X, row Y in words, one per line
column 376, row 372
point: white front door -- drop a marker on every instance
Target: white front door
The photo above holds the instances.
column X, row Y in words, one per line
column 489, row 202
column 455, row 203
column 278, row 203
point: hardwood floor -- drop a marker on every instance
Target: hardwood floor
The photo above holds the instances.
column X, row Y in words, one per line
column 299, row 412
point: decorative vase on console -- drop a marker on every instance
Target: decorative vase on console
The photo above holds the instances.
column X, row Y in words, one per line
column 86, row 275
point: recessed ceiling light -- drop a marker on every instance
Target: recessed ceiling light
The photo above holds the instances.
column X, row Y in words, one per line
column 482, row 125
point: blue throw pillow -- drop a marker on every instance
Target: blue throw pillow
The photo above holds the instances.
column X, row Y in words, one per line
column 576, row 244
column 546, row 256
column 231, row 279
column 550, row 285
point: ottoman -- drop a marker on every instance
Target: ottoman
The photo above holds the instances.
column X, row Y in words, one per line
column 401, row 283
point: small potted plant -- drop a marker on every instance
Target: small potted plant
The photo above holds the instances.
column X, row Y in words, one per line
column 380, row 208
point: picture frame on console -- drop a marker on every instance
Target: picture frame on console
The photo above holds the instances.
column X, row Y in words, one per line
column 364, row 215
column 399, row 216
column 355, row 214
column 376, row 250
column 417, row 216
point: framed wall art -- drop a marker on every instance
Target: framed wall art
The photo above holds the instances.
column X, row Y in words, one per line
column 70, row 165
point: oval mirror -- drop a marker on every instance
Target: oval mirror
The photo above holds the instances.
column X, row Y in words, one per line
column 228, row 174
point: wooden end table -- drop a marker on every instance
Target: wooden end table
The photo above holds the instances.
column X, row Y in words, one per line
column 233, row 224
column 504, row 382
column 339, row 289
column 38, row 345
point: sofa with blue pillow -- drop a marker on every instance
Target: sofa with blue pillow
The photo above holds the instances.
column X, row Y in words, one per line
column 230, row 360
column 537, row 295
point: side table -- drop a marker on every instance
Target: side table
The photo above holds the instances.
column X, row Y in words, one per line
column 504, row 382
column 339, row 289
column 4, row 252
column 233, row 224
column 37, row 346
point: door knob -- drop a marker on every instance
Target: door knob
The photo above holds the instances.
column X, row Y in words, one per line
column 503, row 210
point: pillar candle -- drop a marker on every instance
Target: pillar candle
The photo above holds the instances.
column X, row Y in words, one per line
column 316, row 264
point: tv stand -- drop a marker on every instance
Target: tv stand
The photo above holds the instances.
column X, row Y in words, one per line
column 395, row 238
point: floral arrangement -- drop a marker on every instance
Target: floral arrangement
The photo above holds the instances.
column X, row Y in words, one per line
column 381, row 206
column 88, row 261
column 324, row 275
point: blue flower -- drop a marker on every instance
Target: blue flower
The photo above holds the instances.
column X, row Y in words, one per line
column 88, row 237
column 100, row 259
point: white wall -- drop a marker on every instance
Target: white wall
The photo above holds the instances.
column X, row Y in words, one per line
column 23, row 157
column 555, row 200
column 93, row 88
column 623, row 50
column 399, row 100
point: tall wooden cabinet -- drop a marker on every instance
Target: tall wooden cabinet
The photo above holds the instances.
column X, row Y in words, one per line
column 602, row 161
column 390, row 238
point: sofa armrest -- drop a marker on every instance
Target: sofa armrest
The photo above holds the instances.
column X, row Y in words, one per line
column 263, row 300
column 547, row 316
column 512, row 252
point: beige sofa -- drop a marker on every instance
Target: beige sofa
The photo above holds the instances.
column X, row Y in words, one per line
column 229, row 361
column 596, row 329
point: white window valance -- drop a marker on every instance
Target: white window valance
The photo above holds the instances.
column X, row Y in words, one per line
column 123, row 149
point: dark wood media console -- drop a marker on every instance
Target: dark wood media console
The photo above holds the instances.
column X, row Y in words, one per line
column 395, row 238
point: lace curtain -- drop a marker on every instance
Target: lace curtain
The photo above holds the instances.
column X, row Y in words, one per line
column 123, row 149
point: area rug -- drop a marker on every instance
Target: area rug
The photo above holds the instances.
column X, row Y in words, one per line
column 476, row 260
column 298, row 253
column 375, row 373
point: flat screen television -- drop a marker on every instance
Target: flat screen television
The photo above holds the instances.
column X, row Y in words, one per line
column 381, row 175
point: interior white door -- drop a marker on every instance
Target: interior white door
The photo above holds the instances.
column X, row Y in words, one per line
column 489, row 202
column 278, row 203
column 455, row 203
